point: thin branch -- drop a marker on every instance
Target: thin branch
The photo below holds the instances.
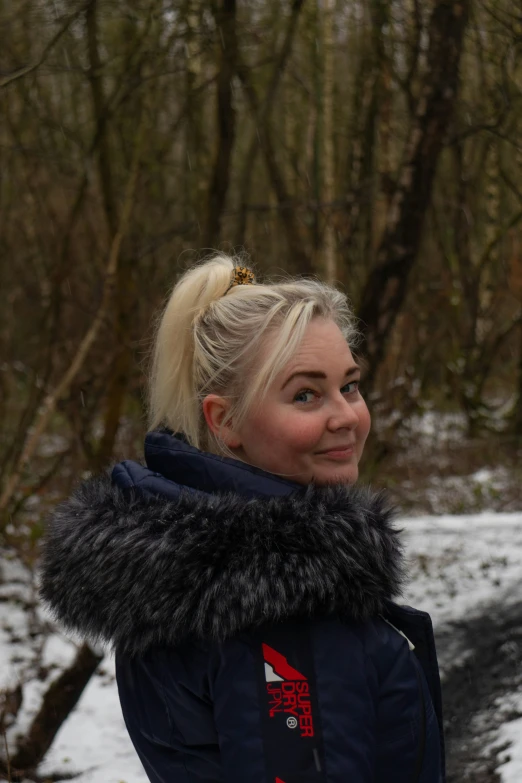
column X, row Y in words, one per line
column 52, row 43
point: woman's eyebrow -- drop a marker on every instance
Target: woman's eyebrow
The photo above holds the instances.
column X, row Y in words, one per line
column 318, row 374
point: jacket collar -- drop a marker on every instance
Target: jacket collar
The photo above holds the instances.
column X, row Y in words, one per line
column 144, row 560
column 176, row 460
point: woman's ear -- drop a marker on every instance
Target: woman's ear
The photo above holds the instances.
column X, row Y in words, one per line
column 215, row 409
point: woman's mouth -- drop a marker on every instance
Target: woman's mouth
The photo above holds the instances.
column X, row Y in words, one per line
column 338, row 454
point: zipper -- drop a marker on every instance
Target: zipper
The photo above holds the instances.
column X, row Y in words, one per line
column 422, row 741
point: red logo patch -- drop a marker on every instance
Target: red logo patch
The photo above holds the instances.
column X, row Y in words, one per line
column 288, row 693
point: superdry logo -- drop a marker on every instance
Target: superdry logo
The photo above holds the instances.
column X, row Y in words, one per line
column 288, row 693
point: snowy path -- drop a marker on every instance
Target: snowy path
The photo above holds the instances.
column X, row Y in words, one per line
column 467, row 572
column 478, row 693
column 459, row 566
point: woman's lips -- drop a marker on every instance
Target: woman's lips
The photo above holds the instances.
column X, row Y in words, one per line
column 338, row 454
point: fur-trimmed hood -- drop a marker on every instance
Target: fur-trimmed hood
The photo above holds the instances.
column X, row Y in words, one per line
column 137, row 569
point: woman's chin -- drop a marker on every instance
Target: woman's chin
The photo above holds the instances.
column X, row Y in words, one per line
column 347, row 475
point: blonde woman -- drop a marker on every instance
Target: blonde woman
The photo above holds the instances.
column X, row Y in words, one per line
column 243, row 579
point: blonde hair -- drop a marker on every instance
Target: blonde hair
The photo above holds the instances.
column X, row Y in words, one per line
column 208, row 342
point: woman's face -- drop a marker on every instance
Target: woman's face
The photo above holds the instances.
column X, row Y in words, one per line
column 312, row 408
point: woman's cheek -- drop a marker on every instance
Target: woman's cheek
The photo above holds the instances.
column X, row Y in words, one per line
column 365, row 422
column 368, row 419
column 306, row 433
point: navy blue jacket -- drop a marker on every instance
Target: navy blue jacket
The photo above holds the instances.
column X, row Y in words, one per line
column 256, row 638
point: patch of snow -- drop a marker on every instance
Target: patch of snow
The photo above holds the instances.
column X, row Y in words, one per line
column 511, row 770
column 58, row 652
column 459, row 563
column 94, row 740
column 14, row 651
column 509, row 739
column 17, row 600
column 13, row 571
column 441, row 494
column 434, row 427
column 483, row 476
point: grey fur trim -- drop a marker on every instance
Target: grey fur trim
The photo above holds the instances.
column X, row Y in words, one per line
column 138, row 572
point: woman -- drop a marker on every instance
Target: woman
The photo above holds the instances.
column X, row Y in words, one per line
column 244, row 583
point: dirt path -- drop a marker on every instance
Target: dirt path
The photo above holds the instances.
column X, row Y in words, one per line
column 481, row 660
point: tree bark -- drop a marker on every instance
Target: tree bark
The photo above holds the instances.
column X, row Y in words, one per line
column 125, row 293
column 300, row 258
column 103, row 151
column 262, row 118
column 329, row 264
column 387, row 283
column 517, row 423
column 226, row 120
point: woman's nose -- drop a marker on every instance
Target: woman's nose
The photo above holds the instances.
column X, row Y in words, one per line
column 343, row 414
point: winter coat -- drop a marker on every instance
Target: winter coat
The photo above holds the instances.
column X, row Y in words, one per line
column 255, row 636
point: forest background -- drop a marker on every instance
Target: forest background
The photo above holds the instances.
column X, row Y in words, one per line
column 375, row 144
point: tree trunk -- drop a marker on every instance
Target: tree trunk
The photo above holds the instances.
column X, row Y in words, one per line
column 329, row 265
column 226, row 120
column 517, row 424
column 103, row 151
column 387, row 283
column 296, row 246
column 58, row 702
column 261, row 116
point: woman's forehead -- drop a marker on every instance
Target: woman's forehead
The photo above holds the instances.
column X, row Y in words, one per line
column 323, row 347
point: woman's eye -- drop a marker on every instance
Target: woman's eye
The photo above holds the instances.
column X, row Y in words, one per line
column 301, row 393
column 353, row 387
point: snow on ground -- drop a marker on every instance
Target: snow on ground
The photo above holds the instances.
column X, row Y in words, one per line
column 510, row 738
column 94, row 739
column 457, row 564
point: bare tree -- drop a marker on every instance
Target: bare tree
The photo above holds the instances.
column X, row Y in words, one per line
column 387, row 282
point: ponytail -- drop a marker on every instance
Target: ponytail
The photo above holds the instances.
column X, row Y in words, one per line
column 172, row 397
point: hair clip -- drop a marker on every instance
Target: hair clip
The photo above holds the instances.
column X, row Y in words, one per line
column 241, row 276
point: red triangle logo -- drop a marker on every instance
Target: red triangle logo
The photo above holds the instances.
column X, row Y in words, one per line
column 281, row 667
column 278, row 780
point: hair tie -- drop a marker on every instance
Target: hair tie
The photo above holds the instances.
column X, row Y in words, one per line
column 241, row 276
